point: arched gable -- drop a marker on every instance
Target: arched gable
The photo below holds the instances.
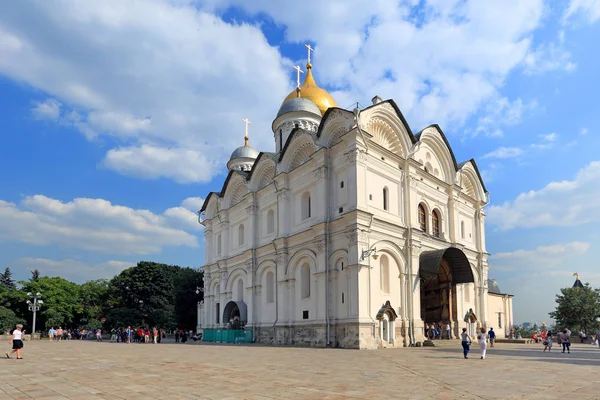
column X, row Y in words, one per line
column 387, row 126
column 335, row 123
column 210, row 208
column 298, row 150
column 433, row 164
column 434, row 138
column 472, row 183
column 263, row 172
column 296, row 259
column 235, row 191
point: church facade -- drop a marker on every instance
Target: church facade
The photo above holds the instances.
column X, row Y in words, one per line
column 354, row 232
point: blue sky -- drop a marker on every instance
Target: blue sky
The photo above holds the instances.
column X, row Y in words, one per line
column 117, row 118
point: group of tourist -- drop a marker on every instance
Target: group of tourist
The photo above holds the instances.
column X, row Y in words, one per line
column 439, row 331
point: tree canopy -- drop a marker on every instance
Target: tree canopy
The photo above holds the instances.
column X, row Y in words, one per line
column 148, row 294
column 577, row 308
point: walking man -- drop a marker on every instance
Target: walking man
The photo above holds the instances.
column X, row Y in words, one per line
column 492, row 337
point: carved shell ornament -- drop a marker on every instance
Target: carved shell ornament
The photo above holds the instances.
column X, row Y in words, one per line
column 384, row 135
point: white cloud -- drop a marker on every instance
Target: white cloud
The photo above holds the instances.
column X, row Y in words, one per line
column 501, row 112
column 71, row 269
column 583, row 131
column 193, row 203
column 49, row 109
column 156, row 73
column 550, row 137
column 541, row 258
column 150, row 162
column 440, row 63
column 590, row 9
column 547, row 141
column 548, row 57
column 95, row 225
column 504, row 152
column 565, row 203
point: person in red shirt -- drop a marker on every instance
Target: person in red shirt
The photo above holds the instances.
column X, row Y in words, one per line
column 140, row 334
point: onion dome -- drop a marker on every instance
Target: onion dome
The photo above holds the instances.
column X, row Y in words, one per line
column 296, row 104
column 309, row 90
column 243, row 157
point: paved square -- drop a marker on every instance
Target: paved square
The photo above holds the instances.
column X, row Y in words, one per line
column 89, row 370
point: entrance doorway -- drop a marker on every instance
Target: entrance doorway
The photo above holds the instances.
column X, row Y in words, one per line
column 235, row 314
column 440, row 271
column 387, row 324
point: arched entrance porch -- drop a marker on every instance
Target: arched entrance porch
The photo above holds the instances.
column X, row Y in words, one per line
column 440, row 271
column 235, row 314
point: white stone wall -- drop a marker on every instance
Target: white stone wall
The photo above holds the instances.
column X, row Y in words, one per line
column 345, row 172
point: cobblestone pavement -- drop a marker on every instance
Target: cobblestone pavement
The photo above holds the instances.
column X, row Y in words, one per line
column 89, row 370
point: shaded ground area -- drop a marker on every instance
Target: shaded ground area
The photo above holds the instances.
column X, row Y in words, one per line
column 89, row 370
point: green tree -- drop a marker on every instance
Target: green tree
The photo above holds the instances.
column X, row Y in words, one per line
column 94, row 296
column 35, row 275
column 6, row 279
column 187, row 281
column 8, row 320
column 577, row 308
column 62, row 301
column 147, row 288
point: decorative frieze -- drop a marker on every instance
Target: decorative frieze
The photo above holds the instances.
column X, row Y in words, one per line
column 320, row 173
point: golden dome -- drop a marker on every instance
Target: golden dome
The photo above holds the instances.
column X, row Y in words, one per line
column 309, row 90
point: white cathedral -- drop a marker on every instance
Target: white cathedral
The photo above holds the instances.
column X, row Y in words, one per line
column 355, row 232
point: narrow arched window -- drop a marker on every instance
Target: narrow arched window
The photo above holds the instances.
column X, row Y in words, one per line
column 240, row 289
column 306, row 206
column 270, row 287
column 270, row 221
column 305, row 280
column 384, row 274
column 435, row 226
column 462, row 229
column 386, row 205
column 422, row 218
column 219, row 244
column 241, row 235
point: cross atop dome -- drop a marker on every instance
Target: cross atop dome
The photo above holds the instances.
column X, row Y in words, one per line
column 246, row 122
column 309, row 88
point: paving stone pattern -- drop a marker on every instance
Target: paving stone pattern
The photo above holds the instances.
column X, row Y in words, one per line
column 89, row 370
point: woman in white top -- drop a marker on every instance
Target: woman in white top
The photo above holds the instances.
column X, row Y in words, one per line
column 481, row 339
column 17, row 342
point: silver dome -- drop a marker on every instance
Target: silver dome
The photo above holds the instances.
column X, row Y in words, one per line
column 244, row 152
column 298, row 104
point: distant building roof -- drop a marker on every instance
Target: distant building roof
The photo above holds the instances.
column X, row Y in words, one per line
column 493, row 288
column 578, row 284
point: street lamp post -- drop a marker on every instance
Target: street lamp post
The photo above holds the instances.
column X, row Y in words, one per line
column 34, row 306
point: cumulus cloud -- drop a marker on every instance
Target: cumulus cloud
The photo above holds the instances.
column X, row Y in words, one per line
column 95, row 225
column 548, row 57
column 441, row 61
column 74, row 270
column 156, row 73
column 540, row 258
column 504, row 152
column 564, row 203
column 193, row 203
column 150, row 162
column 589, row 9
column 499, row 113
column 49, row 109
